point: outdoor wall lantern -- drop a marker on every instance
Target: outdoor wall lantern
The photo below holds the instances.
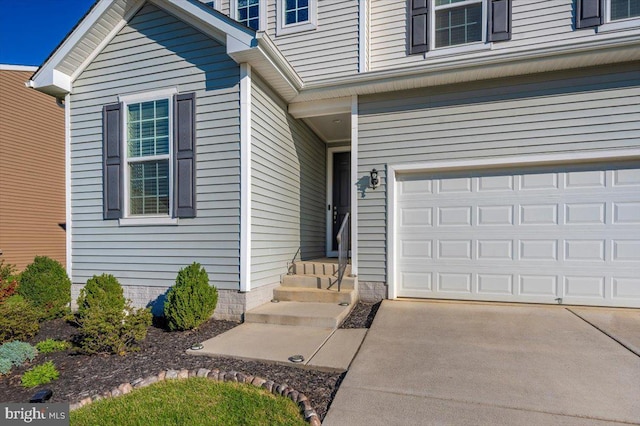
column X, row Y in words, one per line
column 374, row 179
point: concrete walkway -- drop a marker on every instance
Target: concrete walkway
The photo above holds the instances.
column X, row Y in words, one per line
column 465, row 364
column 325, row 349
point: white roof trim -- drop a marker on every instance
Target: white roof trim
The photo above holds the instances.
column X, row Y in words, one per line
column 51, row 81
column 450, row 71
column 9, row 67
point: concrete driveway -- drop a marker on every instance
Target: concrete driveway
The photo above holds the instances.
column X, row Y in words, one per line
column 463, row 363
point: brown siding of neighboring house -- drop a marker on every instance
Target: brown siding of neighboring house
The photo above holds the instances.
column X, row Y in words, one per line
column 32, row 183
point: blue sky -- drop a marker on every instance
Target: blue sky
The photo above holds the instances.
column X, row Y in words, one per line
column 31, row 29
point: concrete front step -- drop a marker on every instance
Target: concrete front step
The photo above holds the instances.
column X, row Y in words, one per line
column 317, row 281
column 304, row 294
column 307, row 314
column 318, row 268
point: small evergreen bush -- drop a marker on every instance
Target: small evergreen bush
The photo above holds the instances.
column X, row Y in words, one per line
column 100, row 292
column 50, row 345
column 191, row 301
column 40, row 375
column 108, row 323
column 5, row 366
column 46, row 284
column 15, row 354
column 18, row 319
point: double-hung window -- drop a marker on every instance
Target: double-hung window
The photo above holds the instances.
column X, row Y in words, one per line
column 457, row 26
column 295, row 15
column 457, row 22
column 247, row 12
column 149, row 158
column 607, row 15
column 622, row 9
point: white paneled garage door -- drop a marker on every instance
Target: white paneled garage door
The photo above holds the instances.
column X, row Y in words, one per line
column 569, row 235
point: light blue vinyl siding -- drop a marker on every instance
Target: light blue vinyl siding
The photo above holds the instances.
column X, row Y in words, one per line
column 578, row 111
column 288, row 164
column 157, row 51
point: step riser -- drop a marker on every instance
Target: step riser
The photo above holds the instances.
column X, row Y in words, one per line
column 308, row 281
column 315, row 268
column 324, row 322
column 348, row 296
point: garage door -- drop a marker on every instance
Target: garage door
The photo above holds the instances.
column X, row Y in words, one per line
column 547, row 235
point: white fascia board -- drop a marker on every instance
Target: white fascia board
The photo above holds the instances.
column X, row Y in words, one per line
column 9, row 67
column 321, row 107
column 456, row 70
column 266, row 59
column 44, row 77
column 211, row 23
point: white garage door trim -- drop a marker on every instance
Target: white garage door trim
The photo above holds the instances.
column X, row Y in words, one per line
column 568, row 159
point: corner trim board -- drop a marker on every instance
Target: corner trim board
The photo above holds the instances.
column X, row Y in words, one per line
column 245, row 177
column 354, row 180
column 67, row 181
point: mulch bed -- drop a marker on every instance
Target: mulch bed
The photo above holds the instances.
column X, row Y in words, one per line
column 83, row 376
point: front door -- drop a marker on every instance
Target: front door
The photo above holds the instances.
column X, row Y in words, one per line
column 341, row 203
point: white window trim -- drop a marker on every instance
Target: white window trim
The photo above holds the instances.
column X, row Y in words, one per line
column 262, row 14
column 458, row 48
column 135, row 220
column 619, row 25
column 283, row 29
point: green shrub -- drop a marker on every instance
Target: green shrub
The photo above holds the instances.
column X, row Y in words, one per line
column 100, row 292
column 40, row 375
column 191, row 301
column 15, row 354
column 18, row 319
column 8, row 282
column 5, row 366
column 108, row 323
column 50, row 345
column 46, row 284
column 6, row 271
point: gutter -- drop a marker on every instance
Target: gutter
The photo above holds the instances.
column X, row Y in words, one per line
column 480, row 67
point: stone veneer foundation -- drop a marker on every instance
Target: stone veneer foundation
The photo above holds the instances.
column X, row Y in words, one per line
column 232, row 304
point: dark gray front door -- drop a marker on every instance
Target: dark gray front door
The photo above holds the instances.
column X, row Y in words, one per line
column 341, row 203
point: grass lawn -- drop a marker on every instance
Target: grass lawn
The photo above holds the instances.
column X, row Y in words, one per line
column 195, row 401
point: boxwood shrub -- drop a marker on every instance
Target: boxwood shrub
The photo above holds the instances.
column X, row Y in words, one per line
column 46, row 285
column 18, row 319
column 108, row 323
column 191, row 301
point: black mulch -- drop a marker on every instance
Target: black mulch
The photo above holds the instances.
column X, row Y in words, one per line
column 82, row 375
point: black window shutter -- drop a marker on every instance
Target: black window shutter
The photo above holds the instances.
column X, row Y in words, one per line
column 418, row 26
column 589, row 13
column 112, row 161
column 184, row 165
column 499, row 20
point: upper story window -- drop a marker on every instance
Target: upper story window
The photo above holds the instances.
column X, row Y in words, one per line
column 457, row 26
column 623, row 9
column 608, row 15
column 295, row 15
column 248, row 13
column 457, row 22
